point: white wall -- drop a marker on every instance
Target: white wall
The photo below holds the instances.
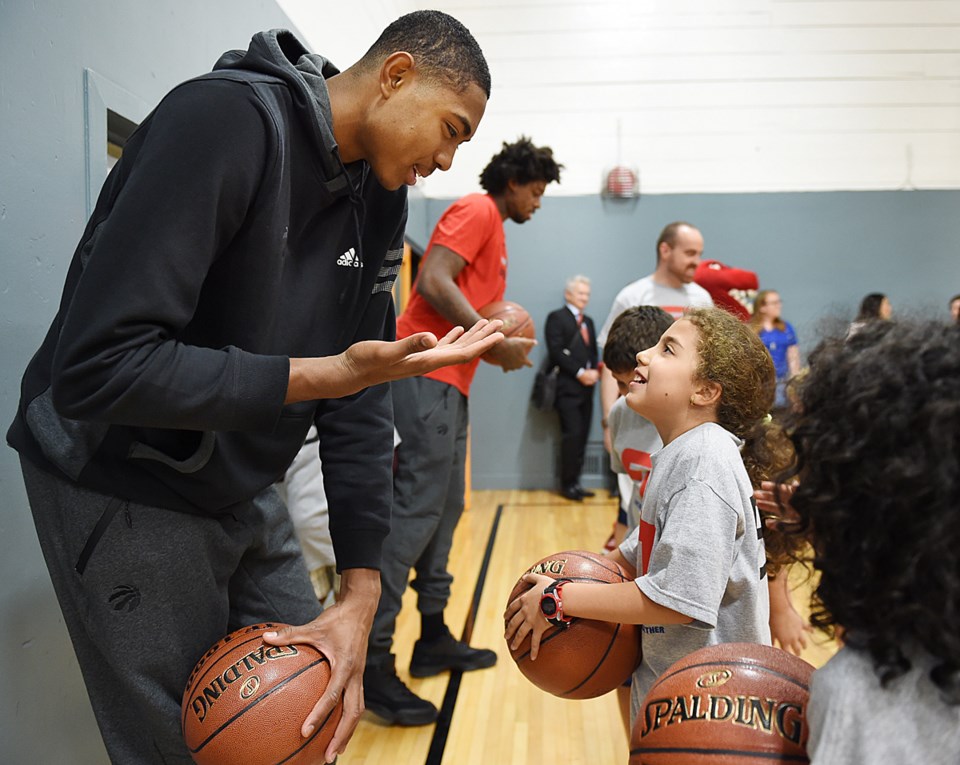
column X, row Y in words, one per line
column 342, row 32
column 709, row 95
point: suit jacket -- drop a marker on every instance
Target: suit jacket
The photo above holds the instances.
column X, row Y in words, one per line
column 573, row 356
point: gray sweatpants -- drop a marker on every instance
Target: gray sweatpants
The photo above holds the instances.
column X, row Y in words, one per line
column 432, row 419
column 145, row 591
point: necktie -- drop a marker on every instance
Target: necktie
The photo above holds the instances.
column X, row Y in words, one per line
column 584, row 333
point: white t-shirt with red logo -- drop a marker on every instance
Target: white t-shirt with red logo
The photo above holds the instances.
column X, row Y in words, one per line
column 646, row 291
column 634, row 439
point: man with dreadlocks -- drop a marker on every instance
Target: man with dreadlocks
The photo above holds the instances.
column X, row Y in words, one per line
column 463, row 269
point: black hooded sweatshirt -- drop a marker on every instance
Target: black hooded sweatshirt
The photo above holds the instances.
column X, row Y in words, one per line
column 229, row 238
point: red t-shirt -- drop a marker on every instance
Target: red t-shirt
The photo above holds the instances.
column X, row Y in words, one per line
column 472, row 228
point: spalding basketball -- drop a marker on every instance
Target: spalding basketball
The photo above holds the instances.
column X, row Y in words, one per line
column 588, row 658
column 727, row 704
column 516, row 320
column 246, row 701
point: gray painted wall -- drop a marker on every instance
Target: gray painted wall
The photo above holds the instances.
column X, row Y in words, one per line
column 822, row 251
column 139, row 51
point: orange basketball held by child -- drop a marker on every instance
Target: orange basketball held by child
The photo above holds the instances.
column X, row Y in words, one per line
column 516, row 320
column 587, row 658
column 246, row 701
column 727, row 704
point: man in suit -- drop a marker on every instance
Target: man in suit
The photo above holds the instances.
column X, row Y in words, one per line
column 572, row 345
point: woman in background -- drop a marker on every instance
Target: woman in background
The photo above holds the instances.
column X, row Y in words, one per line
column 874, row 306
column 779, row 338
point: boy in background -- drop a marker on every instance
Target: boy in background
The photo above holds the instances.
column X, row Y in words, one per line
column 633, row 438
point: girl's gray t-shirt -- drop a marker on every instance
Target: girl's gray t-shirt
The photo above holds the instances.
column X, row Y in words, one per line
column 701, row 537
column 853, row 720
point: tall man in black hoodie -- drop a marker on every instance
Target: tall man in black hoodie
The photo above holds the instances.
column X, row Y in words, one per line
column 233, row 287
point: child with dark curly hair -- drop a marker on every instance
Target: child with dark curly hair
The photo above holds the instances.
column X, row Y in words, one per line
column 877, row 438
column 698, row 557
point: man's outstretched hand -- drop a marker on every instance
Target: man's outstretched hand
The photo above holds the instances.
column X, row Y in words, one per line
column 372, row 362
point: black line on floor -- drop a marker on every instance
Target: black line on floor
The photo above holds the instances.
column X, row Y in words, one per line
column 439, row 741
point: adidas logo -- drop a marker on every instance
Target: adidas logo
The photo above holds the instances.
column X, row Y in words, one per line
column 350, row 259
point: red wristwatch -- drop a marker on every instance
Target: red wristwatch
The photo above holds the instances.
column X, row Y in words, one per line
column 551, row 604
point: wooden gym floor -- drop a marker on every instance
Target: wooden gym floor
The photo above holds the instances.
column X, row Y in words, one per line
column 496, row 715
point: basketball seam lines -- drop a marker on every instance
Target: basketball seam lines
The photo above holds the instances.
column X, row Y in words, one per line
column 309, row 738
column 606, row 653
column 555, row 632
column 598, row 562
column 732, row 663
column 779, row 756
column 194, row 683
column 227, row 723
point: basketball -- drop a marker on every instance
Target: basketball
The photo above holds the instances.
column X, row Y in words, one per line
column 726, row 704
column 588, row 658
column 516, row 320
column 246, row 701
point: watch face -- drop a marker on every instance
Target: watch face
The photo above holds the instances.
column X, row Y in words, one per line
column 548, row 606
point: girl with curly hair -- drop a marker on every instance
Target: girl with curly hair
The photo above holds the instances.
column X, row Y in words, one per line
column 877, row 494
column 698, row 557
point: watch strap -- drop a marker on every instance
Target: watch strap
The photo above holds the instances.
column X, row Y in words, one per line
column 552, row 594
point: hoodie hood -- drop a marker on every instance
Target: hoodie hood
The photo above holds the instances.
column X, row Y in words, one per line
column 280, row 54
